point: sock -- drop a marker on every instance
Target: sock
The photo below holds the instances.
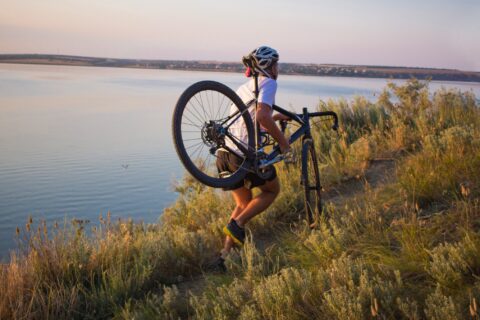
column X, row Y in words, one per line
column 238, row 224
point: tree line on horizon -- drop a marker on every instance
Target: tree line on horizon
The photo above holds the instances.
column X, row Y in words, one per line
column 336, row 70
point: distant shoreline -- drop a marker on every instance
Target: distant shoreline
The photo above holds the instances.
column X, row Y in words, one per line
column 331, row 70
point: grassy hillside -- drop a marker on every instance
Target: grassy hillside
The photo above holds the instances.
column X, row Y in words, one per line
column 399, row 237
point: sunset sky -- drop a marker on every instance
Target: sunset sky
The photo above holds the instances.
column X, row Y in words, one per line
column 427, row 33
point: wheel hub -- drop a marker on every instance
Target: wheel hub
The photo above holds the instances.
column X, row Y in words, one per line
column 213, row 135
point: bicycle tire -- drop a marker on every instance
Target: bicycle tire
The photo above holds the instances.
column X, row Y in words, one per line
column 311, row 183
column 215, row 95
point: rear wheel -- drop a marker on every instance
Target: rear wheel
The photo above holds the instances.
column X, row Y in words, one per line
column 202, row 125
column 311, row 183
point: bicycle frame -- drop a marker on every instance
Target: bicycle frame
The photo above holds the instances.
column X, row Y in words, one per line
column 304, row 131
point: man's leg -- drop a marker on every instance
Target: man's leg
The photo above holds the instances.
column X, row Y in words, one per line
column 261, row 202
column 242, row 197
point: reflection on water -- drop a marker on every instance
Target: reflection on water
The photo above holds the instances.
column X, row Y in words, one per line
column 80, row 141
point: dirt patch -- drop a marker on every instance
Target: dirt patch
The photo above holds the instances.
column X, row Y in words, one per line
column 380, row 172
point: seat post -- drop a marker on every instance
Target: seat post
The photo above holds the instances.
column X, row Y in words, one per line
column 255, row 80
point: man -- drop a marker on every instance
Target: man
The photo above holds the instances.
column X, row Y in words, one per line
column 265, row 62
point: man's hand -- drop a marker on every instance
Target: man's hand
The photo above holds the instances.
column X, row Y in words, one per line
column 285, row 149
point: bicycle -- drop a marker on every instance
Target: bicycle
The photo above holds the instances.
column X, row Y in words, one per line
column 201, row 120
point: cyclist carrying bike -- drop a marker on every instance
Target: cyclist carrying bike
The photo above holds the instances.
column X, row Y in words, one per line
column 264, row 61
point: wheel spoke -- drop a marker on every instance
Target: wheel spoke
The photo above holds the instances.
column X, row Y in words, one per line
column 206, row 107
column 192, row 125
column 227, row 109
column 199, row 148
column 193, row 145
column 210, row 103
column 195, row 115
column 220, row 106
column 201, row 105
column 199, row 108
column 192, row 122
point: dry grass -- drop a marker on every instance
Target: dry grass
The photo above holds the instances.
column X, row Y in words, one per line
column 408, row 249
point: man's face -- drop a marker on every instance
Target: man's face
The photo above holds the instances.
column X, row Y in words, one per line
column 275, row 70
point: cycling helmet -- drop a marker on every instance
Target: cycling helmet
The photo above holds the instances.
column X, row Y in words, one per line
column 262, row 58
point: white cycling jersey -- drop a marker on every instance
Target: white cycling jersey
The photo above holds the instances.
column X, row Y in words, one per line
column 267, row 89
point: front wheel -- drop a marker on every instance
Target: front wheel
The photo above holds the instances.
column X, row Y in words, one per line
column 311, row 183
column 210, row 118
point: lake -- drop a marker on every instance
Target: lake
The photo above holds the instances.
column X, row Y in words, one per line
column 77, row 142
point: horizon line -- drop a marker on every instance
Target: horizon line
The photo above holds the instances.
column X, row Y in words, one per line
column 239, row 62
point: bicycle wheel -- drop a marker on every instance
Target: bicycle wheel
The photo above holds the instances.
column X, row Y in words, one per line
column 201, row 126
column 311, row 182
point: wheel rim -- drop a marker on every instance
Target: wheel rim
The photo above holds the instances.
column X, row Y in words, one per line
column 312, row 188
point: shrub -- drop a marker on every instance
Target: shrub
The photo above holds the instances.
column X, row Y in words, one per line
column 449, row 161
column 438, row 306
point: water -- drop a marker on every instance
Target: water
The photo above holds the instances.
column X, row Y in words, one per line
column 77, row 142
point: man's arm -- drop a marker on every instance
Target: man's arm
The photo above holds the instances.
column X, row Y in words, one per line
column 264, row 117
column 279, row 116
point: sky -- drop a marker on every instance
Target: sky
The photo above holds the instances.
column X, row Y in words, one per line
column 415, row 33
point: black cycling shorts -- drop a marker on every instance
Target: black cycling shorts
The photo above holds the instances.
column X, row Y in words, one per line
column 229, row 163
